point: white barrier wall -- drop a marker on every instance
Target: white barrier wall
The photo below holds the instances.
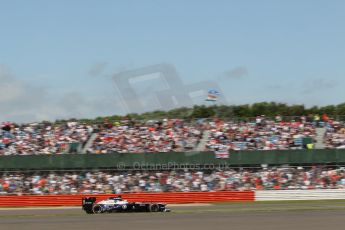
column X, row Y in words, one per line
column 316, row 194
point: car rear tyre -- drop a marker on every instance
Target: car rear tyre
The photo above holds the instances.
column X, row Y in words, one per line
column 97, row 209
column 154, row 208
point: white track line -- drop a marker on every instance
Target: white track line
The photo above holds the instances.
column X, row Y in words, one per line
column 190, row 205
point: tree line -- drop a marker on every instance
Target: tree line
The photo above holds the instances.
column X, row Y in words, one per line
column 269, row 109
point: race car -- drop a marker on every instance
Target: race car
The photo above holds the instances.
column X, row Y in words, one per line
column 117, row 204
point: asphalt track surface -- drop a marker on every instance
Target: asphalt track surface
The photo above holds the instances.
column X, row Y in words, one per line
column 245, row 216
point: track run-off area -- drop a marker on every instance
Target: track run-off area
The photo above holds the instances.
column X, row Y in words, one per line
column 284, row 215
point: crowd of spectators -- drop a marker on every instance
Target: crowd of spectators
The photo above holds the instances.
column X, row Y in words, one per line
column 41, row 138
column 262, row 134
column 335, row 135
column 171, row 135
column 153, row 136
column 112, row 182
column 168, row 135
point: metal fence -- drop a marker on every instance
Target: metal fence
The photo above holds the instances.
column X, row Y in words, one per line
column 173, row 160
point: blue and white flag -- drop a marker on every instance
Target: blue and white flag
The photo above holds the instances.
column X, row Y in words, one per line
column 212, row 95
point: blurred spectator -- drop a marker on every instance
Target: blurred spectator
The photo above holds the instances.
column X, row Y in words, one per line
column 335, row 135
column 152, row 136
column 41, row 138
column 264, row 134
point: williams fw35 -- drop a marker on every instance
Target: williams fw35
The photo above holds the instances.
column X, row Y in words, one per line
column 117, row 204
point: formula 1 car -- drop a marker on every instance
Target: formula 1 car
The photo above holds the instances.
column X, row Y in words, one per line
column 117, row 204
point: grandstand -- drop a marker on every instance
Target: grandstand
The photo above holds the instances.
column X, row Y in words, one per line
column 167, row 135
column 133, row 155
